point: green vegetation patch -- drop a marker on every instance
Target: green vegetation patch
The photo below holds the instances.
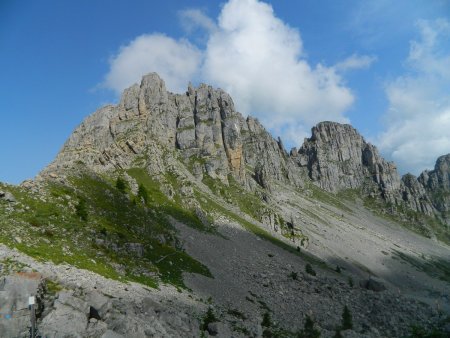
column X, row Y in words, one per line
column 434, row 266
column 92, row 224
column 328, row 198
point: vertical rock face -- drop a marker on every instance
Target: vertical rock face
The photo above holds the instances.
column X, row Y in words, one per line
column 437, row 183
column 202, row 124
column 337, row 157
column 415, row 196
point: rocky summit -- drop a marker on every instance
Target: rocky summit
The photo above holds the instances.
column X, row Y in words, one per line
column 172, row 215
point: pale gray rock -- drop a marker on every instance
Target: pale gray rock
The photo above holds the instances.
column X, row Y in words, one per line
column 373, row 283
column 437, row 183
column 415, row 195
column 112, row 334
column 98, row 301
column 202, row 124
column 64, row 321
column 337, row 158
column 7, row 196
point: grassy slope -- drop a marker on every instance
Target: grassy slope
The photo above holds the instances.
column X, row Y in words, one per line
column 47, row 227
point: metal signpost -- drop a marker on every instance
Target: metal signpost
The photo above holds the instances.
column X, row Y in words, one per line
column 31, row 301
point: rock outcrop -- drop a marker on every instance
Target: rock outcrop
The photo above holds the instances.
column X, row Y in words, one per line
column 337, row 158
column 437, row 183
column 202, row 124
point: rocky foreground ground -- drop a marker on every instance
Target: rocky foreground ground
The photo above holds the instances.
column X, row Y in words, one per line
column 253, row 281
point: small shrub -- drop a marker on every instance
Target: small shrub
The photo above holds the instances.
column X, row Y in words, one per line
column 52, row 287
column 267, row 333
column 49, row 233
column 81, row 209
column 266, row 324
column 310, row 270
column 34, row 222
column 236, row 313
column 209, row 317
column 293, row 275
column 266, row 321
column 247, row 298
column 121, row 184
column 143, row 193
column 346, row 319
column 309, row 331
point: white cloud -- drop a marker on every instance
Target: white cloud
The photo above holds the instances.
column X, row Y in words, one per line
column 254, row 56
column 260, row 61
column 418, row 119
column 176, row 61
column 195, row 18
column 355, row 61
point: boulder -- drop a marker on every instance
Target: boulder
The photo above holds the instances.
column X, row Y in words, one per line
column 99, row 302
column 213, row 328
column 135, row 248
column 148, row 305
column 373, row 283
column 7, row 196
column 218, row 329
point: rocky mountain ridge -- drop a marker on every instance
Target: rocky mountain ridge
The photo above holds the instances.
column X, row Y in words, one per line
column 213, row 139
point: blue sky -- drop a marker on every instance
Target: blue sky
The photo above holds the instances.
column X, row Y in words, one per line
column 383, row 66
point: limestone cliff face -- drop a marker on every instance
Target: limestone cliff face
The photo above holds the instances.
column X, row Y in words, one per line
column 337, row 157
column 201, row 124
column 415, row 196
column 437, row 183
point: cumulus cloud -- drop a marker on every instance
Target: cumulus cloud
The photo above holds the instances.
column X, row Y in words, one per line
column 260, row 61
column 418, row 119
column 356, row 61
column 256, row 57
column 176, row 61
